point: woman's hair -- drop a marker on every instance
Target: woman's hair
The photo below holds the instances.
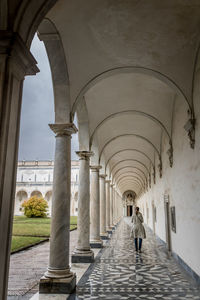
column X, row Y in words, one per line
column 137, row 208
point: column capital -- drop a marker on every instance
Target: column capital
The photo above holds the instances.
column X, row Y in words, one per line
column 85, row 154
column 95, row 168
column 102, row 176
column 63, row 129
column 108, row 181
column 22, row 61
column 112, row 185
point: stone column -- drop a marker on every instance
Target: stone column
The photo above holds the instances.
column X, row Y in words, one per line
column 114, row 206
column 95, row 241
column 111, row 206
column 16, row 61
column 108, row 228
column 103, row 233
column 58, row 278
column 83, row 252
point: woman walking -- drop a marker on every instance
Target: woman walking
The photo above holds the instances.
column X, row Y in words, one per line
column 138, row 231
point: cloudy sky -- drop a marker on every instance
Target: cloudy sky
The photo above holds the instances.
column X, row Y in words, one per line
column 36, row 139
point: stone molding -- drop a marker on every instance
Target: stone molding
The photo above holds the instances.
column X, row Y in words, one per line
column 21, row 60
column 107, row 181
column 103, row 176
column 63, row 129
column 95, row 168
column 55, row 273
column 52, row 36
column 85, row 155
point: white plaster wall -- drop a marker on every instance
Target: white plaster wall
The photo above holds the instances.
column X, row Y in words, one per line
column 182, row 184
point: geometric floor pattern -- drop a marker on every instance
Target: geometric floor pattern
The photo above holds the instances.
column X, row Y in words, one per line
column 121, row 273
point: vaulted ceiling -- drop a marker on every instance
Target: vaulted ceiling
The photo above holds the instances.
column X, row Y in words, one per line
column 127, row 60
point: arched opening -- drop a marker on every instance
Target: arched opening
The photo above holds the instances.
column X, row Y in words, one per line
column 48, row 198
column 37, row 194
column 20, row 197
column 129, row 202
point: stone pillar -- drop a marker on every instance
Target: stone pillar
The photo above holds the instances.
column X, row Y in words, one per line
column 95, row 241
column 58, row 278
column 111, row 206
column 108, row 228
column 16, row 61
column 114, row 206
column 83, row 252
column 103, row 233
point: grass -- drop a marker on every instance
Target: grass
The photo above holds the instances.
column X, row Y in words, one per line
column 28, row 231
column 19, row 242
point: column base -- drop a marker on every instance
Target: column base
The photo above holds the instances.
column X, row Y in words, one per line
column 57, row 285
column 82, row 257
column 104, row 236
column 96, row 244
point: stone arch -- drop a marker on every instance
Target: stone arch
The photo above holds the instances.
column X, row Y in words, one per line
column 133, row 150
column 134, row 160
column 133, row 177
column 130, row 134
column 48, row 33
column 130, row 167
column 21, row 195
column 36, row 193
column 48, row 196
column 28, row 16
column 19, row 199
column 131, row 112
column 129, row 69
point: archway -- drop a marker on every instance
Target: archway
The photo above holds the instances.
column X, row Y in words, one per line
column 129, row 202
column 36, row 193
column 48, row 198
column 19, row 199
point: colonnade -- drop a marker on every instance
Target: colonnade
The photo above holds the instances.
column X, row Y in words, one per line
column 99, row 210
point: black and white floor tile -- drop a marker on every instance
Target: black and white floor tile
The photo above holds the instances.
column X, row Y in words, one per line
column 121, row 273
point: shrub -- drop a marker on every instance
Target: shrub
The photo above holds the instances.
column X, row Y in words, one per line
column 35, row 207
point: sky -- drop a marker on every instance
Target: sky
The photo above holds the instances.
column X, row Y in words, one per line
column 37, row 141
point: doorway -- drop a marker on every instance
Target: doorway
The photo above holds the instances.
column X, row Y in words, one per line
column 129, row 210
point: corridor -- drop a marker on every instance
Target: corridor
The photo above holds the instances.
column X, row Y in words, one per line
column 120, row 273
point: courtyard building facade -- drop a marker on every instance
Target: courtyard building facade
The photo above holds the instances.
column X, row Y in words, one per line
column 35, row 178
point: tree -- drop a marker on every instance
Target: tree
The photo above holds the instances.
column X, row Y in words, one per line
column 35, row 207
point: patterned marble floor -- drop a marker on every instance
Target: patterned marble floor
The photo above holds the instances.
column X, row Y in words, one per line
column 120, row 273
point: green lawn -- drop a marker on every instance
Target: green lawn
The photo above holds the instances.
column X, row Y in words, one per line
column 19, row 242
column 27, row 231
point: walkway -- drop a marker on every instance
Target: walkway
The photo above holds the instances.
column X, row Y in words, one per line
column 120, row 273
column 27, row 267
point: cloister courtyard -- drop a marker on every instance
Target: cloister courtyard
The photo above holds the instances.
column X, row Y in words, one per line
column 124, row 78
